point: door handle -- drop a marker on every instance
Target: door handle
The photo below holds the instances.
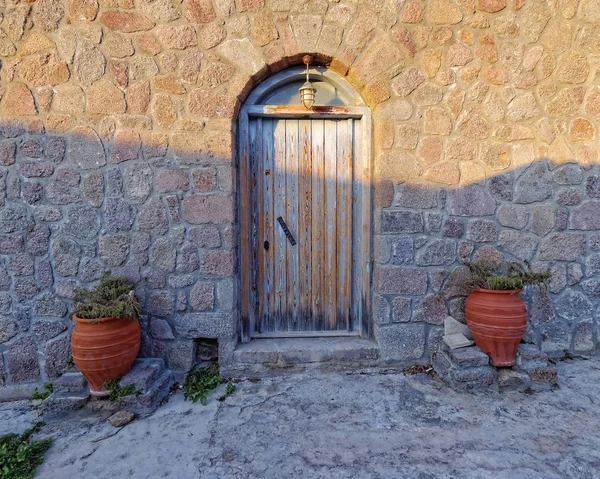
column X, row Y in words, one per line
column 286, row 230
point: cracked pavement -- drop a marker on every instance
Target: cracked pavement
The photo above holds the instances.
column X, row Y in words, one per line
column 339, row 425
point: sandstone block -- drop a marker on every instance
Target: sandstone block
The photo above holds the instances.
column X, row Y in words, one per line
column 215, row 208
column 126, row 22
column 177, row 37
column 440, row 12
column 43, row 70
column 18, row 101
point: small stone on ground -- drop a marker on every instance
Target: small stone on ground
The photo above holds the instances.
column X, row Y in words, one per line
column 121, row 418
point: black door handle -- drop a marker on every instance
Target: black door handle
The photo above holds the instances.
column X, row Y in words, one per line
column 286, row 230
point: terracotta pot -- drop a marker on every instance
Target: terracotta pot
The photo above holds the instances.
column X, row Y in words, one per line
column 498, row 321
column 104, row 349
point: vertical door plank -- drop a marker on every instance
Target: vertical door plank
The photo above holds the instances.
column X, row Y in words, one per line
column 356, row 227
column 364, row 152
column 244, row 229
column 304, row 225
column 280, row 241
column 268, row 226
column 344, row 233
column 291, row 218
column 318, row 223
column 254, row 154
column 330, row 273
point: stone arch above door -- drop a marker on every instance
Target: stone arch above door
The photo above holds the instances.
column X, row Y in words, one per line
column 305, row 209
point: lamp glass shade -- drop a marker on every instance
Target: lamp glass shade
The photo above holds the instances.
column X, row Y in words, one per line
column 307, row 94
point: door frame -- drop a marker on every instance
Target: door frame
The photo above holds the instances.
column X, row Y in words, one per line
column 361, row 183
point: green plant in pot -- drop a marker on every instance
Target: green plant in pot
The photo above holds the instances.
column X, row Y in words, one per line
column 495, row 312
column 106, row 337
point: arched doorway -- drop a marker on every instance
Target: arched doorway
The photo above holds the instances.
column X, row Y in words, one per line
column 305, row 209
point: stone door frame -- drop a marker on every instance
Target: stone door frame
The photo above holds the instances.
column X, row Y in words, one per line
column 254, row 106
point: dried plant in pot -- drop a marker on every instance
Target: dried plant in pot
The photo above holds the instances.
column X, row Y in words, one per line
column 106, row 337
column 495, row 313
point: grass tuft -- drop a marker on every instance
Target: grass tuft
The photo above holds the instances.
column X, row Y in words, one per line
column 19, row 456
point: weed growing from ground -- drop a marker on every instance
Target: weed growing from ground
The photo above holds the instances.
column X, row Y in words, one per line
column 229, row 390
column 201, row 381
column 117, row 391
column 19, row 456
column 49, row 389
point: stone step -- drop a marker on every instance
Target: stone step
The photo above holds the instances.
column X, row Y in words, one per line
column 143, row 373
column 468, row 369
column 264, row 356
column 71, row 382
column 63, row 401
column 146, row 403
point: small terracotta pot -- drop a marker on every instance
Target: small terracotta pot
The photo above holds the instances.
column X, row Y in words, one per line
column 498, row 321
column 104, row 349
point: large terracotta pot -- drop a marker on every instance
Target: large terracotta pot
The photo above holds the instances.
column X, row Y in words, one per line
column 104, row 349
column 497, row 320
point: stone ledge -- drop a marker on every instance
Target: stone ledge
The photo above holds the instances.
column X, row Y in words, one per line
column 468, row 370
column 264, row 356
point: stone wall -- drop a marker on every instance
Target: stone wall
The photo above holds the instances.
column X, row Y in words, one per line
column 545, row 213
column 117, row 129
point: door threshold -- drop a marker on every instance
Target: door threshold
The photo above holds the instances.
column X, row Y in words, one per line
column 307, row 334
column 264, row 356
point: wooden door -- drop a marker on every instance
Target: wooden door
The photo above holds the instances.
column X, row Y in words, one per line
column 300, row 225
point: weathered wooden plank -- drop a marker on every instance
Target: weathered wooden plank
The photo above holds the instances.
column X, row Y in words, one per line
column 304, row 225
column 280, row 240
column 268, row 226
column 331, row 209
column 344, row 233
column 291, row 218
column 244, row 229
column 357, row 275
column 318, row 224
column 364, row 232
column 298, row 111
column 254, row 155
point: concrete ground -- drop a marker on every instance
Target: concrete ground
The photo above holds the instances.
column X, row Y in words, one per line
column 334, row 425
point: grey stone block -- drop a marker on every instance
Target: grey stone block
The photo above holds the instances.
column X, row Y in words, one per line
column 22, row 360
column 573, row 305
column 401, row 341
column 468, row 357
column 70, row 382
column 119, row 215
column 142, row 374
column 416, row 197
column 534, row 184
column 399, row 280
column 586, row 216
column 401, row 222
column 402, row 250
column 163, row 255
column 431, row 309
column 481, row 231
column 57, row 356
column 153, row 217
column 82, row 222
column 510, row 379
column 471, row 200
column 8, row 328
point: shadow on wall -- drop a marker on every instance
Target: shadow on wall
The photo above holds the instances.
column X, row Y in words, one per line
column 74, row 206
